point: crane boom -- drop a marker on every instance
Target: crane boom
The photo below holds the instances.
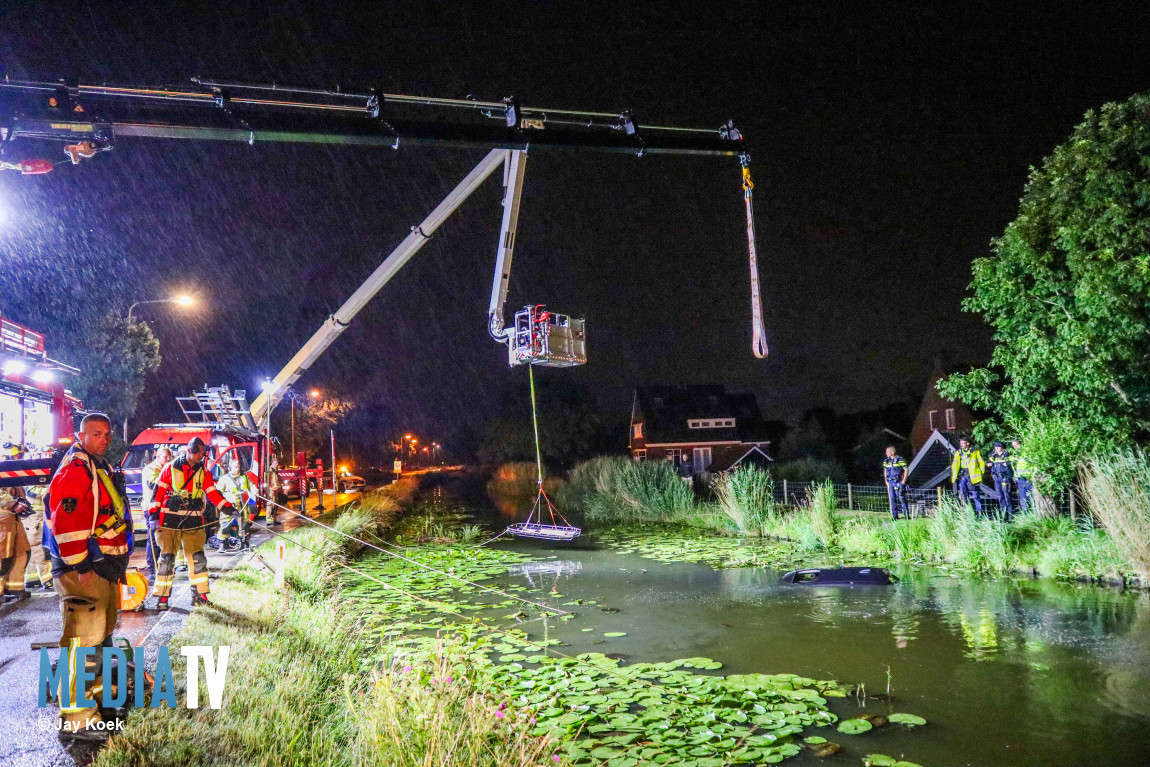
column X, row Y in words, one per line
column 90, row 118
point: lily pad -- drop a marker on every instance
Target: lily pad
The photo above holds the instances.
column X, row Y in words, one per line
column 907, row 719
column 855, row 726
column 615, row 633
column 879, row 760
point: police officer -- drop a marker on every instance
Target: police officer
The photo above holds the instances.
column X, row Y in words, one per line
column 895, row 472
column 90, row 546
column 966, row 472
column 1022, row 478
column 1002, row 472
column 179, row 507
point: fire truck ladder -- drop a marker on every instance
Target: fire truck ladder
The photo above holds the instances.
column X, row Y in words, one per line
column 217, row 404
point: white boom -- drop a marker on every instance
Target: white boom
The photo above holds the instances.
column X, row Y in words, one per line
column 337, row 322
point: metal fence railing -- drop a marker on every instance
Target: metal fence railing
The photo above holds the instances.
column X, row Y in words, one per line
column 920, row 502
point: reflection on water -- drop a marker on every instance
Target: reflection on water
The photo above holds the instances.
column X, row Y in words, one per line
column 546, row 574
column 1007, row 672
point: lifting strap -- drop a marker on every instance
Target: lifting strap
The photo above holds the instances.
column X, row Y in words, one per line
column 537, row 510
column 758, row 334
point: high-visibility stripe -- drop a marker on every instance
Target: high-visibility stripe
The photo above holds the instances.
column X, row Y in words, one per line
column 69, row 537
column 76, row 559
column 198, row 579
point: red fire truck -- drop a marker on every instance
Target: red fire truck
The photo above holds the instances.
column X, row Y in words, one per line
column 37, row 412
column 222, row 419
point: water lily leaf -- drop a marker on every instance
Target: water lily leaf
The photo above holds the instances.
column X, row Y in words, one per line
column 906, row 764
column 615, row 634
column 814, row 740
column 855, row 726
column 907, row 719
column 878, row 760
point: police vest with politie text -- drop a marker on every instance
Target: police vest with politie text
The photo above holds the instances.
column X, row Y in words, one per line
column 180, row 493
column 91, row 529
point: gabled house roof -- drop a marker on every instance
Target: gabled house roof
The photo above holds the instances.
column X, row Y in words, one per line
column 666, row 410
column 931, row 464
column 753, row 457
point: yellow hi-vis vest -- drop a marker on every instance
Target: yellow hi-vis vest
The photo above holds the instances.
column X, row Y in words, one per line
column 971, row 460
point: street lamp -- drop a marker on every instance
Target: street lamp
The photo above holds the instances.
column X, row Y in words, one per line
column 181, row 300
column 293, row 396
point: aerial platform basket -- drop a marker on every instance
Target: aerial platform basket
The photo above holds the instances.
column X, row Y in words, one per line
column 547, row 339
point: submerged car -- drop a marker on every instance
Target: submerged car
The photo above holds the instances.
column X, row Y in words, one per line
column 839, row 576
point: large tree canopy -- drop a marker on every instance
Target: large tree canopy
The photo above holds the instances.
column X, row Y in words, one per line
column 1067, row 287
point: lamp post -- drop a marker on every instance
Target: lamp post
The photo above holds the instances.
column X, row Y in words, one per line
column 181, row 300
column 293, row 396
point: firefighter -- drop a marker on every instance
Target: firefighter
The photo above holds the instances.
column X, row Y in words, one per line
column 39, row 572
column 966, row 472
column 239, row 492
column 149, row 477
column 90, row 545
column 894, row 472
column 179, row 506
column 1021, row 476
column 1002, row 472
column 14, row 548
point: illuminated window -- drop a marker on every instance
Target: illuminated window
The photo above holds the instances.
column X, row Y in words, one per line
column 640, row 455
column 637, row 431
column 934, row 419
column 950, row 418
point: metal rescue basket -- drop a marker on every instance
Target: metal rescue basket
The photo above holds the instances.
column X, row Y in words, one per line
column 547, row 339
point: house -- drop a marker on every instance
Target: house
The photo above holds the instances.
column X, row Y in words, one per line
column 867, row 456
column 708, row 426
column 930, row 466
column 938, row 413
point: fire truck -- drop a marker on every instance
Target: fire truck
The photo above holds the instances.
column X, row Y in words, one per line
column 37, row 412
column 223, row 420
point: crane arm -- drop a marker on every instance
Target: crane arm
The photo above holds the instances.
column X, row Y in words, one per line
column 337, row 322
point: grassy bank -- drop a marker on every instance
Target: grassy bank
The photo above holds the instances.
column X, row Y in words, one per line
column 619, row 491
column 304, row 686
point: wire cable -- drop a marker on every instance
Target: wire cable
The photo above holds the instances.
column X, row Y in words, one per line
column 505, row 594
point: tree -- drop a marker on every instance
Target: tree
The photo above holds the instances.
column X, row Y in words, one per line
column 114, row 357
column 807, row 440
column 314, row 422
column 1067, row 289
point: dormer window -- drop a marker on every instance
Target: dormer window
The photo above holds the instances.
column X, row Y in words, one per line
column 710, row 423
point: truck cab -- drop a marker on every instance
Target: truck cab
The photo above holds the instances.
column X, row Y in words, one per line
column 37, row 413
column 219, row 418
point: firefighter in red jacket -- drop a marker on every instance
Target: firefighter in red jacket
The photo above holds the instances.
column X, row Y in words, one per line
column 90, row 548
column 178, row 505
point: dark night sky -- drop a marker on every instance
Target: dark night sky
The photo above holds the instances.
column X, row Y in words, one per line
column 891, row 143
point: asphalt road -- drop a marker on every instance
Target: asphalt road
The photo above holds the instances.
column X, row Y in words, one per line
column 28, row 737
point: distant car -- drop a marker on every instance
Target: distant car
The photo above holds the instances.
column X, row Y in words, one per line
column 347, row 481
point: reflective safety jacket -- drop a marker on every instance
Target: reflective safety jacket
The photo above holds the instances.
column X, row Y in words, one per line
column 90, row 527
column 1020, row 466
column 149, row 478
column 1001, row 467
column 194, row 486
column 893, row 468
column 237, row 490
column 971, row 460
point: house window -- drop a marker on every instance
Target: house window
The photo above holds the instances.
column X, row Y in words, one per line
column 950, row 418
column 640, row 455
column 701, row 459
column 721, row 423
column 637, row 431
column 674, row 455
column 934, row 419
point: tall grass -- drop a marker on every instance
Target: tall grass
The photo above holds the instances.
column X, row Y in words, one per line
column 747, row 496
column 304, row 686
column 815, row 524
column 619, row 490
column 1116, row 488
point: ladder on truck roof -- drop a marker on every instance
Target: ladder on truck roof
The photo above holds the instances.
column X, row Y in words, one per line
column 218, row 404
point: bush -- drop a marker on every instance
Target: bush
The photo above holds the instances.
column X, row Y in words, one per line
column 1116, row 488
column 515, row 478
